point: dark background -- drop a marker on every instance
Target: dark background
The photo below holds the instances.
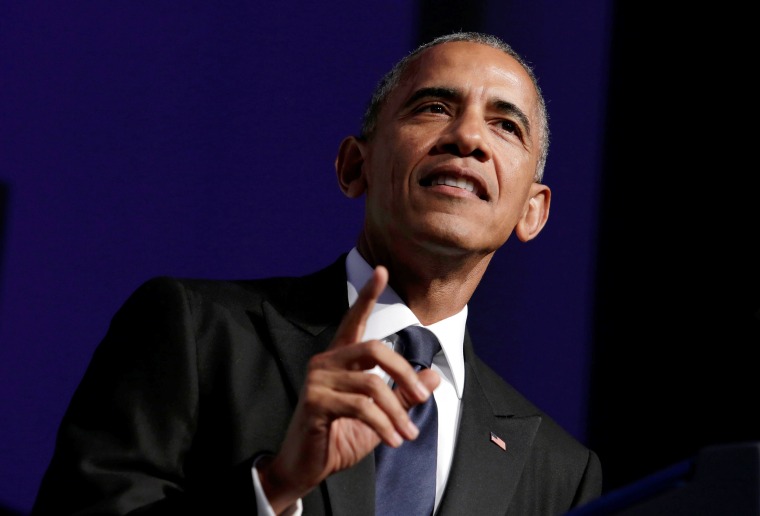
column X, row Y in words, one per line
column 198, row 139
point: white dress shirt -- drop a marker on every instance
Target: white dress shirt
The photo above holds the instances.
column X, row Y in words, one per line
column 389, row 316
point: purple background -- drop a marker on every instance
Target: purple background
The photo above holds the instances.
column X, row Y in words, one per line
column 198, row 139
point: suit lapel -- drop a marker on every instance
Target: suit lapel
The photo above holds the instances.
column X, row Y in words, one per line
column 302, row 322
column 483, row 476
column 293, row 346
column 302, row 315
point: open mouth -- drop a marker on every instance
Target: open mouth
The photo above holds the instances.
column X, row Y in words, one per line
column 455, row 182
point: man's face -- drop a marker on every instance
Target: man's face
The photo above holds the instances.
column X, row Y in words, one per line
column 450, row 166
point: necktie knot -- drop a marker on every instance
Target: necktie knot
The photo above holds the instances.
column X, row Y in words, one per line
column 418, row 345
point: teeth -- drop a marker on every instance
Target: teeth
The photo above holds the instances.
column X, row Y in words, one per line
column 460, row 182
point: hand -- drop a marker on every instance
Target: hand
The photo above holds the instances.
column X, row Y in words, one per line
column 343, row 412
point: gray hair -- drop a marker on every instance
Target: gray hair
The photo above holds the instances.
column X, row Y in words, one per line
column 391, row 80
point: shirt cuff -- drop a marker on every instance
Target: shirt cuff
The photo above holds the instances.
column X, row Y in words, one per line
column 262, row 503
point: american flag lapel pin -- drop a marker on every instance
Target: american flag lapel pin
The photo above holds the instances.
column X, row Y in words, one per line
column 498, row 441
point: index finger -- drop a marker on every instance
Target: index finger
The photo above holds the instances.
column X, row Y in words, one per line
column 352, row 326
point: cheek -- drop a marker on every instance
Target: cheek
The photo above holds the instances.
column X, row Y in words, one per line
column 515, row 173
column 416, row 142
column 395, row 158
column 394, row 173
column 514, row 192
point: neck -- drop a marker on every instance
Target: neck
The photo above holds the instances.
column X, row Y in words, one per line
column 433, row 285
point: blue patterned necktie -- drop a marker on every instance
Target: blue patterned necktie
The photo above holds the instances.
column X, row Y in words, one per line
column 406, row 475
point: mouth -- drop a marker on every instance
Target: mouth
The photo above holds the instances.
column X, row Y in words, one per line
column 467, row 184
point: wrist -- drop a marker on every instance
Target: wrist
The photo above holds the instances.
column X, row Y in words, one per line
column 278, row 489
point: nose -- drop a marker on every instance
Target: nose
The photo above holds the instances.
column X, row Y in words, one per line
column 466, row 135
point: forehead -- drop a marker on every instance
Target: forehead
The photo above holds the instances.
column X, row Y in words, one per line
column 472, row 68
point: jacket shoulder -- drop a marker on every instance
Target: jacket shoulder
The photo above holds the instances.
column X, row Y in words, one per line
column 288, row 294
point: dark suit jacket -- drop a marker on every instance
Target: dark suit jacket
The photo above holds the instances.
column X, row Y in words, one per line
column 196, row 378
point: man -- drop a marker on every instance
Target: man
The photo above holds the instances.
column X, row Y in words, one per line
column 271, row 395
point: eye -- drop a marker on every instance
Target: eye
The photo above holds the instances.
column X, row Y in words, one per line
column 438, row 109
column 509, row 126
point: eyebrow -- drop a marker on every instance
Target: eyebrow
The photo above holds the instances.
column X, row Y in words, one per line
column 439, row 92
column 436, row 92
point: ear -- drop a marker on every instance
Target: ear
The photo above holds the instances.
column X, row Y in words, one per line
column 349, row 167
column 536, row 213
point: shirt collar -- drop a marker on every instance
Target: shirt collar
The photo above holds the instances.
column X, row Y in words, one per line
column 390, row 315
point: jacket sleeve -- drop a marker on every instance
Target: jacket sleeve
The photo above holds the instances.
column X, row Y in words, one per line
column 124, row 442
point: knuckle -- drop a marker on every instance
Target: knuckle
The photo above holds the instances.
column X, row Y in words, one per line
column 318, row 361
column 374, row 347
column 375, row 385
column 314, row 384
column 310, row 399
column 361, row 404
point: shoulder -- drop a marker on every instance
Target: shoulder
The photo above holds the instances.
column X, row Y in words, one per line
column 175, row 298
column 203, row 297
